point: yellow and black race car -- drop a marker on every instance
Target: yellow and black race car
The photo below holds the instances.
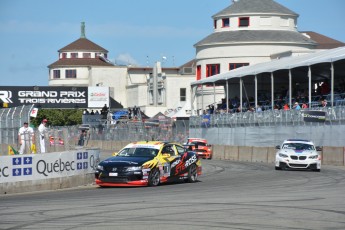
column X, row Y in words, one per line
column 148, row 163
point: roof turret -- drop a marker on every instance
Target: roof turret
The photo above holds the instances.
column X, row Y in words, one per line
column 250, row 7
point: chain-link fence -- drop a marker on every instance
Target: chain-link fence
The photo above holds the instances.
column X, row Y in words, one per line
column 335, row 115
column 129, row 130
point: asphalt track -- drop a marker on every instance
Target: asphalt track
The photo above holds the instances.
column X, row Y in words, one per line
column 229, row 195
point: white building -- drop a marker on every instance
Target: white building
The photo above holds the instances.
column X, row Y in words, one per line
column 249, row 32
column 245, row 33
column 153, row 89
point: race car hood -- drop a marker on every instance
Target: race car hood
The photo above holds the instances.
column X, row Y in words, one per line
column 126, row 161
column 298, row 152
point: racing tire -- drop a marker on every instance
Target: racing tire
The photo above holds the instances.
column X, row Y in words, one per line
column 278, row 168
column 210, row 158
column 154, row 178
column 316, row 170
column 192, row 174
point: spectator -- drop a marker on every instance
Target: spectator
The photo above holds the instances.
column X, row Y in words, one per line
column 92, row 112
column 85, row 112
column 206, row 119
column 324, row 103
column 26, row 138
column 104, row 111
column 297, row 106
column 286, row 107
column 304, row 105
column 42, row 129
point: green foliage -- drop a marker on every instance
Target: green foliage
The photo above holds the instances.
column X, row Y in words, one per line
column 58, row 117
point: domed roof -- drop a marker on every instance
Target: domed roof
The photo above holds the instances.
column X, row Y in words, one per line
column 248, row 7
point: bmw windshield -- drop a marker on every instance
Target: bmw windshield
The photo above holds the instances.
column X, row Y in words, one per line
column 298, row 146
column 138, row 152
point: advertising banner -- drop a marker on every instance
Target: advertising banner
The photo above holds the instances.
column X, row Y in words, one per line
column 98, row 97
column 46, row 166
column 44, row 96
column 314, row 116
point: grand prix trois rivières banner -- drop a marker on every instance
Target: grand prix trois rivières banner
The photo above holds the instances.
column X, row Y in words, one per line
column 54, row 96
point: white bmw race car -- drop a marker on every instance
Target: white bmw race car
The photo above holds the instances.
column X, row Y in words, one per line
column 298, row 154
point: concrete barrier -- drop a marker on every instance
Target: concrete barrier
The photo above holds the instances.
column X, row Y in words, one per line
column 333, row 156
column 218, row 152
column 245, row 153
column 231, row 153
column 260, row 154
column 48, row 171
column 271, row 155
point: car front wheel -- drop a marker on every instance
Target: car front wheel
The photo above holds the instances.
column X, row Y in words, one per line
column 154, row 178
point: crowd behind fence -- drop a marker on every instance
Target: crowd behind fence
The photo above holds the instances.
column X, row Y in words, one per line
column 334, row 115
column 66, row 138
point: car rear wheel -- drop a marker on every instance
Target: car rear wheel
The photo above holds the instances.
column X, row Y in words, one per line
column 192, row 174
column 154, row 178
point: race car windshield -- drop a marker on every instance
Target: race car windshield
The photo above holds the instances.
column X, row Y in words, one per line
column 298, row 146
column 138, row 152
column 197, row 143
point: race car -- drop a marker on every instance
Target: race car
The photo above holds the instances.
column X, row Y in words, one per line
column 201, row 147
column 148, row 163
column 298, row 154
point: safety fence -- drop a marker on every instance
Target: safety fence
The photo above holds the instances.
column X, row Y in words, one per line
column 128, row 130
column 335, row 115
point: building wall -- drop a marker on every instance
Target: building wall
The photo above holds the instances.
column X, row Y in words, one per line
column 114, row 77
column 81, row 80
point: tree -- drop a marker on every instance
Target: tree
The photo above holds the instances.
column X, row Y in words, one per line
column 58, row 117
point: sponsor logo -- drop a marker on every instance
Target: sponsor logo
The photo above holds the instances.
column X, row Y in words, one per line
column 6, row 96
column 82, row 160
column 21, row 166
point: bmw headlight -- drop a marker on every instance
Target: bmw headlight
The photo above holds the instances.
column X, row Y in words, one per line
column 133, row 168
column 313, row 157
column 100, row 167
column 283, row 155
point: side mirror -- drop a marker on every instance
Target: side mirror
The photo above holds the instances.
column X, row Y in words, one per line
column 278, row 147
column 318, row 148
column 115, row 153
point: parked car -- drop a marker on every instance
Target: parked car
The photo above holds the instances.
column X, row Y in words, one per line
column 148, row 163
column 298, row 154
column 201, row 147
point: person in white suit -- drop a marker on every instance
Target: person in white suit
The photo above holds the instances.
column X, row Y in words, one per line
column 42, row 129
column 26, row 138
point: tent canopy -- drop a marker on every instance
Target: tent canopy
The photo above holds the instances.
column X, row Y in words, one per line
column 326, row 56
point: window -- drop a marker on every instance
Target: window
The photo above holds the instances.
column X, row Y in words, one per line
column 64, row 55
column 226, row 22
column 215, row 24
column 212, row 69
column 182, row 94
column 198, row 72
column 86, row 55
column 74, row 55
column 71, row 73
column 237, row 65
column 56, row 73
column 243, row 22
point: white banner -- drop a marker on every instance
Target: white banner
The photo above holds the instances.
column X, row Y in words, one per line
column 98, row 97
column 46, row 166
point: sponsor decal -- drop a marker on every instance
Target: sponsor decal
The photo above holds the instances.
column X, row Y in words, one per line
column 314, row 116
